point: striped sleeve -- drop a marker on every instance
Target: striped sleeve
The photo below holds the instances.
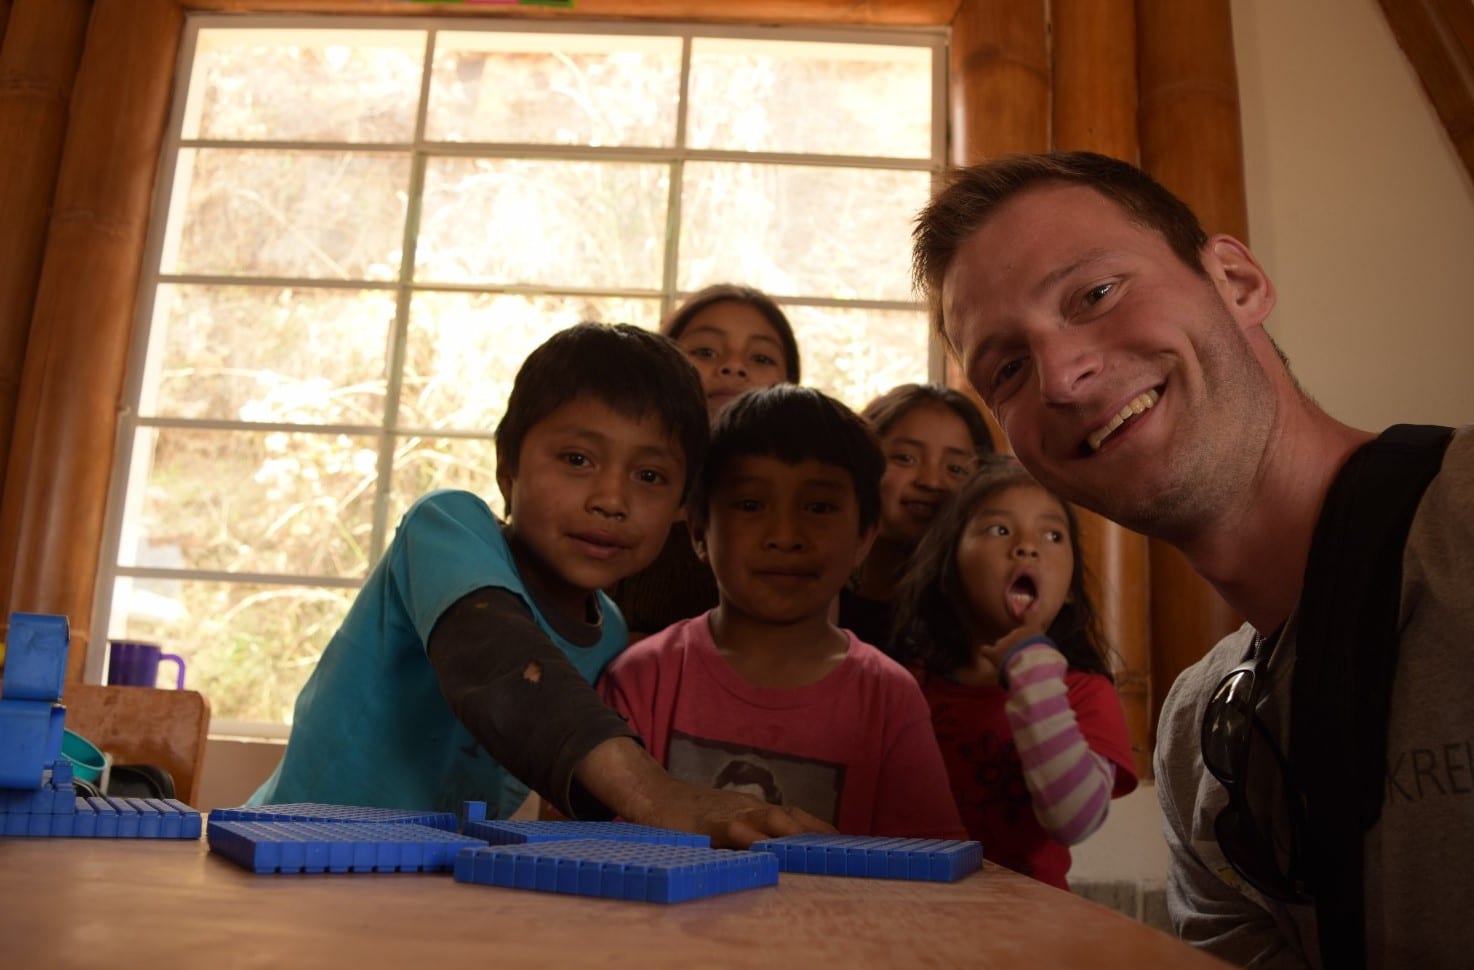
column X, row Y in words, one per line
column 1070, row 784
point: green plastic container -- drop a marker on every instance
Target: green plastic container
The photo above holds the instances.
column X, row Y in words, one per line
column 87, row 761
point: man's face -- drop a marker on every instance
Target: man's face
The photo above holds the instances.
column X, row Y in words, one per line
column 593, row 497
column 1120, row 376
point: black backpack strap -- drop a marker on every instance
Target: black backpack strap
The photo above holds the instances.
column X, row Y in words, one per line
column 1345, row 662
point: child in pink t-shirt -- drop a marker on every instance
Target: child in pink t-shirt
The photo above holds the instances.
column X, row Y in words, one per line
column 764, row 694
column 994, row 615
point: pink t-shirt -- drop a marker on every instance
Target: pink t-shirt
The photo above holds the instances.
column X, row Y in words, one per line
column 855, row 749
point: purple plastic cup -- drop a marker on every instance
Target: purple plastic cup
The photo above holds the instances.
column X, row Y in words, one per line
column 133, row 663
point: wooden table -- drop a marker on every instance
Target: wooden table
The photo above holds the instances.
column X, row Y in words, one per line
column 154, row 904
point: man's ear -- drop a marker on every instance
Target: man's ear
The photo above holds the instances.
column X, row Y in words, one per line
column 1241, row 282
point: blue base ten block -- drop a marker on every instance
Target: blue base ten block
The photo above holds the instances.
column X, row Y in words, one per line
column 928, row 860
column 292, row 847
column 617, row 870
column 521, row 831
column 318, row 812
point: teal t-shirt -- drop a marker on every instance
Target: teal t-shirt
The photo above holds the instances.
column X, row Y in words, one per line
column 371, row 726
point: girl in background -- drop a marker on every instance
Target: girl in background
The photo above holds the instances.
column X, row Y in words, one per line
column 932, row 437
column 738, row 339
column 994, row 618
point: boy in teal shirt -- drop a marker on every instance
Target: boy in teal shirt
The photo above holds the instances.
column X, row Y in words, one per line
column 463, row 668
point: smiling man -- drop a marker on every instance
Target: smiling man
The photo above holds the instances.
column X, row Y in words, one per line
column 1123, row 352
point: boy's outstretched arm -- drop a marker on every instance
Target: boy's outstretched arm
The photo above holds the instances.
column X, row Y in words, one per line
column 520, row 697
column 535, row 714
column 622, row 774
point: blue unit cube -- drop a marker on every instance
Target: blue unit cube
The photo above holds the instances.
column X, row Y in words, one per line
column 928, row 860
column 35, row 657
column 617, row 870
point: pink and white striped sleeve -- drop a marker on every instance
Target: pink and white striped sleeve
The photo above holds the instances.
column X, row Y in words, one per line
column 1070, row 784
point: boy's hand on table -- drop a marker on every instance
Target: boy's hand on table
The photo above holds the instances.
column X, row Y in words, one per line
column 623, row 776
column 733, row 820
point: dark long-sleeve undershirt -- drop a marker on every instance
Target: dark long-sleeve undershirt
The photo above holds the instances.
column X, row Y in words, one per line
column 520, row 697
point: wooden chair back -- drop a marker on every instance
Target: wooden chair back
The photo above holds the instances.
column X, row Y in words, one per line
column 145, row 725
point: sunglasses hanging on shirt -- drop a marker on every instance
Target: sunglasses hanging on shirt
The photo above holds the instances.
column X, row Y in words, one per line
column 1230, row 729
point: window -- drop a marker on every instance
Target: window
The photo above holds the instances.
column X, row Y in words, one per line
column 362, row 230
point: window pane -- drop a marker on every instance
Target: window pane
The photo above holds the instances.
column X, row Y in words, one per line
column 828, row 99
column 318, row 215
column 584, row 224
column 269, row 354
column 554, row 89
column 252, row 501
column 305, row 85
column 249, row 648
column 464, row 349
column 798, row 229
column 424, row 464
column 856, row 355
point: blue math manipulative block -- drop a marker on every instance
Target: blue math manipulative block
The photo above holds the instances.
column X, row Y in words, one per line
column 617, row 870
column 338, row 846
column 35, row 656
column 30, row 740
column 522, row 831
column 318, row 812
column 56, row 811
column 928, row 860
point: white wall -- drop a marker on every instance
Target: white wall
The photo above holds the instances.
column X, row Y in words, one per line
column 1360, row 210
column 1363, row 215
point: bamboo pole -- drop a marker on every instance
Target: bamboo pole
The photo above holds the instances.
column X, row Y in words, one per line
column 38, row 63
column 60, row 463
column 1191, row 141
column 1094, row 109
column 1094, row 77
column 999, row 78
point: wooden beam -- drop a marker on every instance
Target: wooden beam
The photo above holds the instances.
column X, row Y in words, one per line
column 60, row 465
column 999, row 94
column 1000, row 79
column 1438, row 38
column 38, row 63
column 1191, row 138
column 1094, row 77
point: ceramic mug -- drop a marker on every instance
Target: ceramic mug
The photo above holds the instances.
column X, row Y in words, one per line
column 132, row 663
